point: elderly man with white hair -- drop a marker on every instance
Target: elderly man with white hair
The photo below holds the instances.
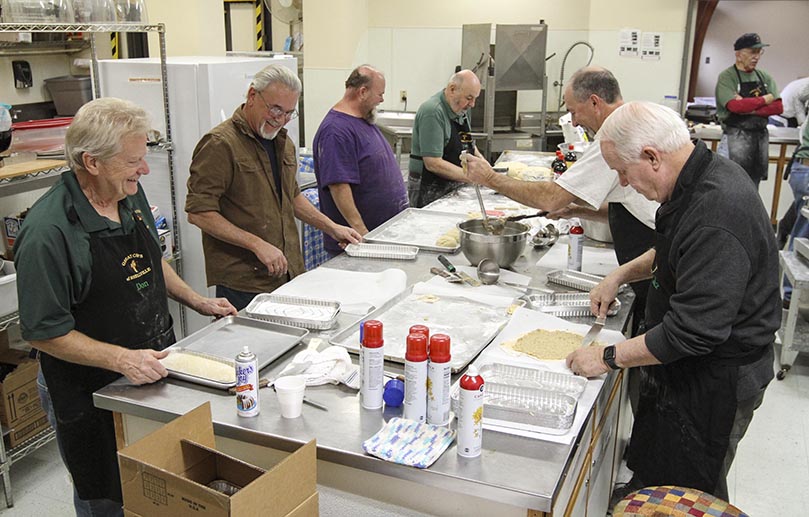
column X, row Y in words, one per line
column 713, row 305
column 93, row 289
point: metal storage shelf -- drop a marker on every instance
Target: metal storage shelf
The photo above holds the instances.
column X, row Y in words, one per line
column 39, row 179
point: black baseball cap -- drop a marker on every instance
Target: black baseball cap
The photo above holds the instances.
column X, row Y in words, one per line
column 749, row 40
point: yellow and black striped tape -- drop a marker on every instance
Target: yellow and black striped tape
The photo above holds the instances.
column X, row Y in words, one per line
column 114, row 44
column 259, row 24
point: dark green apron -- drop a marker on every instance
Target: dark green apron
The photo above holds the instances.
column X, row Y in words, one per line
column 425, row 187
column 127, row 306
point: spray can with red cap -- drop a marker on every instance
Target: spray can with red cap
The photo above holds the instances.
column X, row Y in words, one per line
column 415, row 371
column 372, row 363
column 470, row 414
column 575, row 245
column 438, row 377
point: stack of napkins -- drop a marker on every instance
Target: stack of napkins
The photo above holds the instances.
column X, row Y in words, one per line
column 409, row 442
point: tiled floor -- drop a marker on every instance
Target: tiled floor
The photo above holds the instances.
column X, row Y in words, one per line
column 769, row 478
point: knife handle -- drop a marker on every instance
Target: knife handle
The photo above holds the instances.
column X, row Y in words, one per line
column 447, row 264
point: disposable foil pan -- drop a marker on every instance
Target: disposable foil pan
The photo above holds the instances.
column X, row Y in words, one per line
column 567, row 304
column 499, row 373
column 550, row 410
column 308, row 313
column 383, row 251
column 577, row 280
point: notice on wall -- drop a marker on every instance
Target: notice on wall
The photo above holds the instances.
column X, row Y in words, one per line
column 651, row 46
column 629, row 45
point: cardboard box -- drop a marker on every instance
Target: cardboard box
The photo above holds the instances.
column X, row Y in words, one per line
column 166, row 474
column 25, row 429
column 18, row 388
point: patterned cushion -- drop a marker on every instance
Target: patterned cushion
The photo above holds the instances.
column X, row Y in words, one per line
column 314, row 253
column 674, row 501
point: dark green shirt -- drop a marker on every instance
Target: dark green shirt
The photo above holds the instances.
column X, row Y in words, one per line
column 432, row 129
column 727, row 86
column 52, row 254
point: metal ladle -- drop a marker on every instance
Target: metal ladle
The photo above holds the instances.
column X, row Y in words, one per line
column 489, row 274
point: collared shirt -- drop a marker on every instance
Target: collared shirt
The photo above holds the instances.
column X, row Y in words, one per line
column 52, row 254
column 431, row 128
column 231, row 174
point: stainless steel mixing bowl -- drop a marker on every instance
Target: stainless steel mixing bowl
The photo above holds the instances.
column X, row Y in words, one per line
column 504, row 248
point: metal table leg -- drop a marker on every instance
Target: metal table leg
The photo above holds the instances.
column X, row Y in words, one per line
column 5, row 466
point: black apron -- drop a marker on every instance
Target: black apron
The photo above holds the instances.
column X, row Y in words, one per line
column 746, row 90
column 631, row 239
column 686, row 408
column 126, row 305
column 425, row 187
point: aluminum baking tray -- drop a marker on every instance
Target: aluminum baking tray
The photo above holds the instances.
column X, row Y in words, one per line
column 308, row 313
column 566, row 305
column 577, row 280
column 225, row 338
column 571, row 385
column 523, row 407
column 417, row 227
column 442, row 314
column 383, row 251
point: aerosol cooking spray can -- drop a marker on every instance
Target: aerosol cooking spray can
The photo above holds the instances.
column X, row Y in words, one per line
column 372, row 362
column 470, row 417
column 575, row 245
column 415, row 370
column 247, row 403
column 438, row 376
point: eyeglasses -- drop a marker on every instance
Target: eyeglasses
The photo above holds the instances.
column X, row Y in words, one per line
column 754, row 51
column 276, row 111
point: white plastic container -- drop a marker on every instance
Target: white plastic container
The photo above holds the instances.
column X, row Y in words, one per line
column 8, row 288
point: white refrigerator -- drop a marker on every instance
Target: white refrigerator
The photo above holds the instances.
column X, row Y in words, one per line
column 203, row 91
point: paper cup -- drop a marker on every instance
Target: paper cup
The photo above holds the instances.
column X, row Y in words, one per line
column 290, row 395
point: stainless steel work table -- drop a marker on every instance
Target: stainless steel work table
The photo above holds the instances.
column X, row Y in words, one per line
column 514, row 471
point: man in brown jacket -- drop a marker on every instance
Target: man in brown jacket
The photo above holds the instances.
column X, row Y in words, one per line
column 243, row 195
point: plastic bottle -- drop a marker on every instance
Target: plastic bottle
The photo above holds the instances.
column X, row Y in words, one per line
column 470, row 417
column 372, row 362
column 438, row 376
column 415, row 371
column 570, row 156
column 558, row 165
column 575, row 245
column 247, row 402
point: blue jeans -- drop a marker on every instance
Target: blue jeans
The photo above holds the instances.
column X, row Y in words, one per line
column 239, row 299
column 799, row 182
column 83, row 507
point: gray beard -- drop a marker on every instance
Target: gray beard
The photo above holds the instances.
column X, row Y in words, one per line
column 370, row 117
column 266, row 135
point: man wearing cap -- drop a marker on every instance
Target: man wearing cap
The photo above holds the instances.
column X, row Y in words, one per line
column 745, row 98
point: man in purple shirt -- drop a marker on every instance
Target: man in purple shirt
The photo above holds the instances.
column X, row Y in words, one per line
column 358, row 178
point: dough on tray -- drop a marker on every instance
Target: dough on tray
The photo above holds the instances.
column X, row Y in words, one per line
column 198, row 366
column 546, row 345
column 450, row 239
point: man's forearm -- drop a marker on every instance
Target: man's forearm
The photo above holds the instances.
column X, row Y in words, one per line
column 178, row 290
column 306, row 212
column 640, row 268
column 634, row 352
column 544, row 195
column 344, row 199
column 445, row 169
column 76, row 347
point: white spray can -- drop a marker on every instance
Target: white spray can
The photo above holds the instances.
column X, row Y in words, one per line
column 470, row 417
column 438, row 376
column 372, row 363
column 576, row 245
column 247, row 402
column 415, row 370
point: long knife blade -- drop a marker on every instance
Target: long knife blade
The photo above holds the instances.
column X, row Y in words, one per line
column 594, row 330
column 468, row 279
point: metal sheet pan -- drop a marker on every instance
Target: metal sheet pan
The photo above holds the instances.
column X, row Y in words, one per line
column 578, row 280
column 226, row 337
column 565, row 305
column 443, row 315
column 417, row 227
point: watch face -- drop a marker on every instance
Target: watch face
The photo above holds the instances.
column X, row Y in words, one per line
column 609, row 357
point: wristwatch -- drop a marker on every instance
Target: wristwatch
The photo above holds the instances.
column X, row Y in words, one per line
column 609, row 357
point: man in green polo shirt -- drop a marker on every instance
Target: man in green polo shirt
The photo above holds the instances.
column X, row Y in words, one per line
column 93, row 287
column 745, row 97
column 435, row 156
